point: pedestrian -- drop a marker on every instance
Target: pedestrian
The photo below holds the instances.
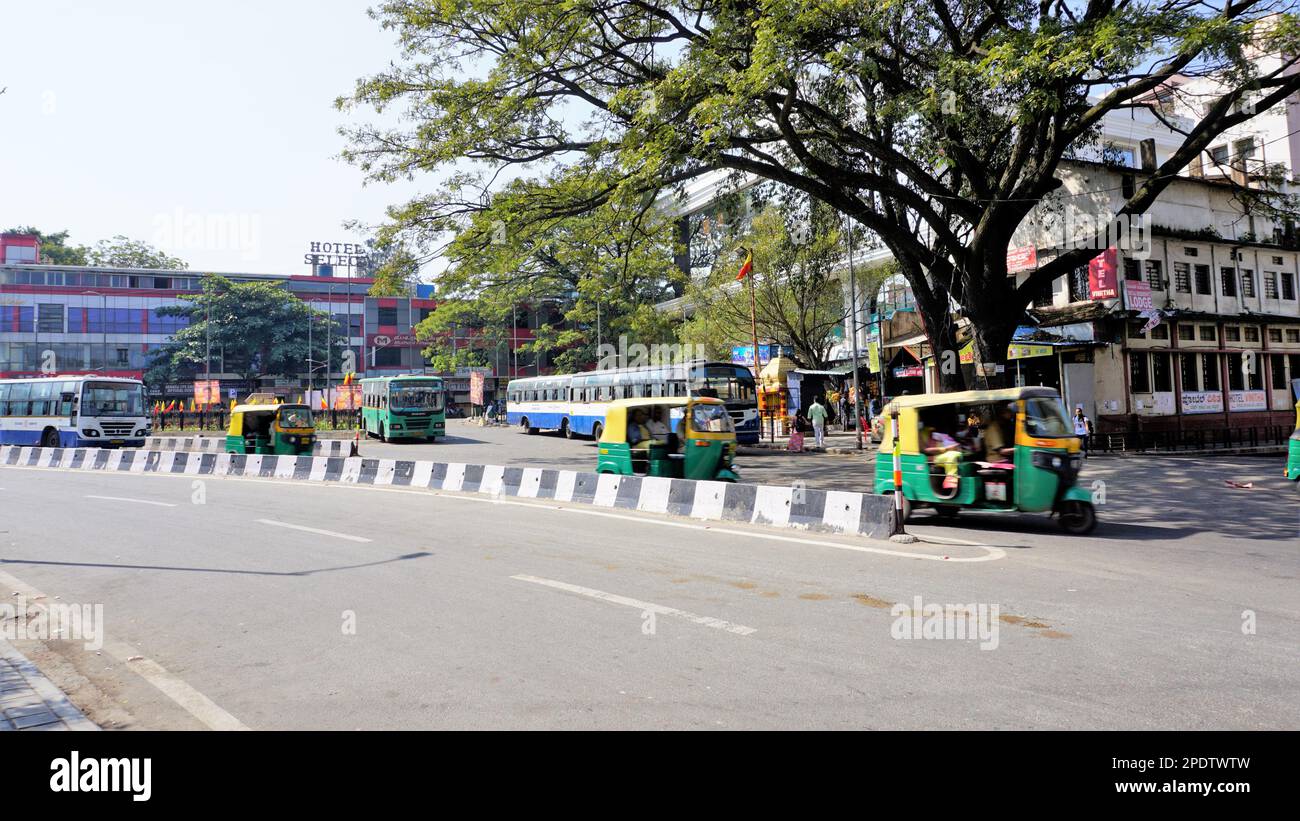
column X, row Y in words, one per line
column 817, row 415
column 1082, row 428
column 844, row 408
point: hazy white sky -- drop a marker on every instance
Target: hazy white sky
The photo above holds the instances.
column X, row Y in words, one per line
column 204, row 128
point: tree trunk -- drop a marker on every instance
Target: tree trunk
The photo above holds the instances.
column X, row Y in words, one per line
column 991, row 340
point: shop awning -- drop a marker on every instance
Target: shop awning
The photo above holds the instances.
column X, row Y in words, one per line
column 838, row 370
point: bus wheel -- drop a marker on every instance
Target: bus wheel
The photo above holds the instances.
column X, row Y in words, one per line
column 1078, row 518
column 382, row 437
column 50, row 439
column 566, row 430
column 525, row 427
column 596, row 430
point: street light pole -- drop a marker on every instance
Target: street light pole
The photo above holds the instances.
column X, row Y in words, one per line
column 853, row 299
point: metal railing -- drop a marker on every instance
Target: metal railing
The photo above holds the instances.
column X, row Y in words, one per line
column 216, row 420
column 1173, row 441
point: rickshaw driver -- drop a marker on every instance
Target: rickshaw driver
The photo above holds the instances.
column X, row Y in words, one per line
column 996, row 436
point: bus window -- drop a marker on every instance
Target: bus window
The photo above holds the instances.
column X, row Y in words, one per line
column 41, row 398
column 18, row 399
column 4, row 399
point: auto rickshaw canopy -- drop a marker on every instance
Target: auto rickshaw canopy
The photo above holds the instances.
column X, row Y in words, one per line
column 258, row 409
column 614, row 431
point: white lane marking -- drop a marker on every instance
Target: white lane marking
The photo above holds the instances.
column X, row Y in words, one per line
column 315, row 530
column 190, row 700
column 127, row 499
column 707, row 621
column 991, row 553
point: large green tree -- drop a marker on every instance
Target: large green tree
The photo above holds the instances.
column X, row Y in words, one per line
column 936, row 124
column 258, row 328
column 122, row 252
column 55, row 249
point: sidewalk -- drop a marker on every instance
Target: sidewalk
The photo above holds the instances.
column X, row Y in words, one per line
column 29, row 701
column 838, row 443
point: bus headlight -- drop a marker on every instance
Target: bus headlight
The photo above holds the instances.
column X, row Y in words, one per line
column 90, row 432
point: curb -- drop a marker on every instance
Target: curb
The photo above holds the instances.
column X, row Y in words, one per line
column 833, row 451
column 829, row 511
column 215, row 444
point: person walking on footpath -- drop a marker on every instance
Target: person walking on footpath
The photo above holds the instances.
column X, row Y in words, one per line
column 817, row 415
column 1082, row 428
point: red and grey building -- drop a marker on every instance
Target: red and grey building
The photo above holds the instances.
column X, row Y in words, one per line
column 106, row 320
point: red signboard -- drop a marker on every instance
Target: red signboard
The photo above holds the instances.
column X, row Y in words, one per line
column 393, row 341
column 1137, row 295
column 476, row 388
column 207, row 392
column 1103, row 277
column 1021, row 259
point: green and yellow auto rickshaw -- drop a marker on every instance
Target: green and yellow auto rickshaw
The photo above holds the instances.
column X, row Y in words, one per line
column 266, row 426
column 1293, row 450
column 1001, row 450
column 679, row 437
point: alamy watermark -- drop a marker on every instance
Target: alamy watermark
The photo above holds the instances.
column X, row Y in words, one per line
column 21, row 621
column 954, row 622
column 637, row 355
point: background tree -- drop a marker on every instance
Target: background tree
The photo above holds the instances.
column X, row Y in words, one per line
column 55, row 249
column 936, row 124
column 598, row 274
column 121, row 252
column 799, row 292
column 259, row 328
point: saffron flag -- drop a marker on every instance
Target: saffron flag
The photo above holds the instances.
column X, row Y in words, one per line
column 746, row 267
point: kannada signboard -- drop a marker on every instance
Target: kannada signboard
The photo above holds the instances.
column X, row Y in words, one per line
column 1247, row 400
column 1202, row 402
column 1103, row 277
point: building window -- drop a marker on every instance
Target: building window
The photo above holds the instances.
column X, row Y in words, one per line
column 1182, row 278
column 123, row 356
column 1208, row 334
column 1228, row 281
column 1252, row 333
column 1231, row 333
column 1133, row 270
column 1162, row 380
column 49, row 318
column 387, row 316
column 1274, row 334
column 1079, row 291
column 1155, row 274
column 1220, row 155
column 1135, row 330
column 388, row 357
column 1139, row 373
column 1203, row 279
column 1186, row 333
column 1188, row 373
column 1160, row 331
column 1043, row 298
column 1248, row 282
column 1277, row 260
column 1210, row 372
column 1288, row 285
column 1270, row 285
column 1293, row 335
column 1191, row 252
column 1276, row 367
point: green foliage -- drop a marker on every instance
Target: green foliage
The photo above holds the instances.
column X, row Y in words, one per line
column 55, row 249
column 121, row 252
column 935, row 124
column 260, row 327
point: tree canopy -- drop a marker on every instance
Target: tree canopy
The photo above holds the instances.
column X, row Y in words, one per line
column 257, row 328
column 937, row 125
column 122, row 252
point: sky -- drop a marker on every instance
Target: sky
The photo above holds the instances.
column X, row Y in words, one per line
column 205, row 129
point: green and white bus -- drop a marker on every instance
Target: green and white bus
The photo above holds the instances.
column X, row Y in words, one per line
column 397, row 407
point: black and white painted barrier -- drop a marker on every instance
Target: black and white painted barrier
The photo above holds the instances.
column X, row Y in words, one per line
column 215, row 444
column 797, row 507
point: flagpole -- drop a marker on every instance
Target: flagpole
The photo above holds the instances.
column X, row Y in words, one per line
column 753, row 327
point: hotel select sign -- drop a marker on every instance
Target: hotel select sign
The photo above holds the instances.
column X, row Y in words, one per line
column 324, row 256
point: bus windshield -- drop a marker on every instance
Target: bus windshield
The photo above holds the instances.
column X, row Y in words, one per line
column 415, row 396
column 730, row 384
column 112, row 399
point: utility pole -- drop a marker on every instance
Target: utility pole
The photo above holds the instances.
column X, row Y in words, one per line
column 853, row 298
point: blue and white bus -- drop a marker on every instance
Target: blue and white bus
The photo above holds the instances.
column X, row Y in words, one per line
column 575, row 404
column 73, row 411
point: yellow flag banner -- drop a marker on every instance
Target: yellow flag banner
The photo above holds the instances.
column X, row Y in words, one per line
column 873, row 356
column 1014, row 351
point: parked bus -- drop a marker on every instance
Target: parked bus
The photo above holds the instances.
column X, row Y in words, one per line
column 411, row 406
column 576, row 404
column 73, row 411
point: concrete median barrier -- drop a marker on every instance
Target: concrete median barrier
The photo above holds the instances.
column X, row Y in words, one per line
column 215, row 444
column 792, row 507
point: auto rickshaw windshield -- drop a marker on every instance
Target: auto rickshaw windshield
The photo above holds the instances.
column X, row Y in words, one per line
column 1046, row 417
column 711, row 419
column 296, row 418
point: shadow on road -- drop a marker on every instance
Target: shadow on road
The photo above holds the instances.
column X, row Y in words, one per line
column 232, row 571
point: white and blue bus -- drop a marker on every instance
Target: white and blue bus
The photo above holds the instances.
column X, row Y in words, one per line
column 575, row 404
column 73, row 411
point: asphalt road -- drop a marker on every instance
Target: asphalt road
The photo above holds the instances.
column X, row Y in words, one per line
column 474, row 613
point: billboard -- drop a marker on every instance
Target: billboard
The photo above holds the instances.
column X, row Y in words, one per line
column 1103, row 276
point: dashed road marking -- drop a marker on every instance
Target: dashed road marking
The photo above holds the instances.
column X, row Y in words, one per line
column 128, row 499
column 643, row 606
column 315, row 530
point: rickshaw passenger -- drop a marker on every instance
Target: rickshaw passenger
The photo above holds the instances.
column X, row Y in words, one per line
column 656, row 425
column 638, row 432
column 999, row 435
column 944, row 451
column 969, row 436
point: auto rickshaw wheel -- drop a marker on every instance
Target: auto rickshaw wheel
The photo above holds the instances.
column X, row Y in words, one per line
column 947, row 511
column 1078, row 518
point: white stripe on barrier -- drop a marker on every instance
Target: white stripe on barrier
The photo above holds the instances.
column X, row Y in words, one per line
column 654, row 494
column 167, row 461
column 114, row 459
column 843, row 511
column 384, row 475
column 253, row 464
column 351, row 470
column 530, row 482
column 319, row 467
column 422, row 475
column 193, row 464
column 493, row 482
column 772, row 505
column 709, row 500
column 606, row 490
column 455, row 479
column 564, row 484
